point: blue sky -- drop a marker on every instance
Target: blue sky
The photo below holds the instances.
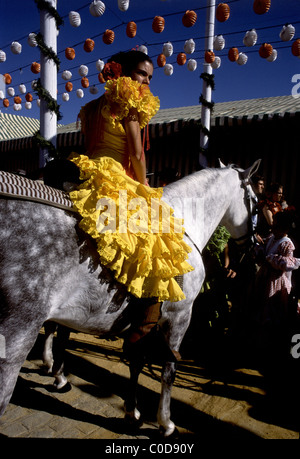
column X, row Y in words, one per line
column 258, row 78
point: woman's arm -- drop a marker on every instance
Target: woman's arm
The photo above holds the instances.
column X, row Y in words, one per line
column 137, row 157
column 268, row 215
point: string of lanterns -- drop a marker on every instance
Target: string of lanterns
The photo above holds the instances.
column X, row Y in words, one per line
column 97, row 8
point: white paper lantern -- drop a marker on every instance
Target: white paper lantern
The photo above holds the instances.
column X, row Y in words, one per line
column 168, row 69
column 38, row 102
column 250, row 38
column 17, row 107
column 80, row 93
column 123, row 5
column 66, row 75
column 189, row 46
column 219, row 42
column 143, row 49
column 11, row 92
column 22, row 88
column 2, row 56
column 216, row 63
column 97, row 8
column 28, row 105
column 31, row 40
column 287, row 32
column 168, row 49
column 93, row 90
column 273, row 56
column 65, row 96
column 192, row 65
column 34, row 84
column 16, row 47
column 242, row 59
column 2, row 94
column 83, row 70
column 74, row 18
column 99, row 65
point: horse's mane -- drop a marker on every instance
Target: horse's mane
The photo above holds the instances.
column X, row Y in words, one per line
column 203, row 179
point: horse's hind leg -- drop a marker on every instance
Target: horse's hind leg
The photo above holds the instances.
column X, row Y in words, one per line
column 132, row 414
column 50, row 329
column 63, row 334
column 167, row 427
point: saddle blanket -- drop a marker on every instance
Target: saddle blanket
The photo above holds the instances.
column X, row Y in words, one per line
column 16, row 186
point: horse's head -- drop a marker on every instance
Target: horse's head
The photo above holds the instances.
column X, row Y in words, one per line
column 238, row 217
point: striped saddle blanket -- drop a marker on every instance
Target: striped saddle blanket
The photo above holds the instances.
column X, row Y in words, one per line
column 16, row 186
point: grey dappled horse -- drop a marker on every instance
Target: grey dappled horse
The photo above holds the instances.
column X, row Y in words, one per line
column 49, row 271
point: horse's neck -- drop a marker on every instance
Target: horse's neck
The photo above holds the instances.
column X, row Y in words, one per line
column 201, row 199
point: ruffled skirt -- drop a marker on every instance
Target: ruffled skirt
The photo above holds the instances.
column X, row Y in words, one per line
column 137, row 236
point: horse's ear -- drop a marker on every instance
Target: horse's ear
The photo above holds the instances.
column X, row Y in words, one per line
column 251, row 170
column 220, row 163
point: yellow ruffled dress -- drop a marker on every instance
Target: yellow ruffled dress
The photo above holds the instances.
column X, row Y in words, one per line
column 137, row 237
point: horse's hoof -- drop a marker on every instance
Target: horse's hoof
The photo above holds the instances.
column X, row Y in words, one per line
column 169, row 430
column 133, row 418
column 63, row 389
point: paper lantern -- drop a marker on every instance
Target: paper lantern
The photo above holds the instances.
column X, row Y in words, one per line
column 242, row 59
column 22, row 88
column 70, row 53
column 99, row 65
column 216, row 63
column 219, row 42
column 273, row 56
column 296, row 48
column 17, row 100
column 261, row 6
column 89, row 45
column 6, row 103
column 35, row 67
column 34, row 85
column 97, row 8
column 2, row 56
column 83, row 70
column 101, row 78
column 189, row 18
column 233, row 54
column 17, row 107
column 250, row 38
column 222, row 12
column 123, row 5
column 265, row 50
column 38, row 102
column 209, row 56
column 85, row 82
column 29, row 97
column 1, row 94
column 168, row 69
column 192, row 65
column 65, row 97
column 189, row 46
column 168, row 49
column 108, row 36
column 31, row 40
column 143, row 49
column 158, row 24
column 66, row 75
column 74, row 18
column 79, row 93
column 10, row 91
column 69, row 86
column 16, row 47
column 181, row 58
column 131, row 29
column 161, row 60
column 7, row 78
column 28, row 105
column 287, row 32
column 93, row 90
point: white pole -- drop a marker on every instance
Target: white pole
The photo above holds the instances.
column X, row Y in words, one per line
column 207, row 68
column 48, row 119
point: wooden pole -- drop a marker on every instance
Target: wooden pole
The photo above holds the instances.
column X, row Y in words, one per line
column 48, row 119
column 206, row 89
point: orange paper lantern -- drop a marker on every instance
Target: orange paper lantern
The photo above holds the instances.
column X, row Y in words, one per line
column 222, row 12
column 108, row 36
column 261, row 6
column 161, row 60
column 35, row 67
column 158, row 24
column 233, row 54
column 209, row 56
column 131, row 29
column 6, row 103
column 17, row 100
column 89, row 45
column 189, row 18
column 101, row 78
column 7, row 78
column 69, row 86
column 181, row 59
column 265, row 50
column 28, row 97
column 70, row 53
column 296, row 48
column 85, row 82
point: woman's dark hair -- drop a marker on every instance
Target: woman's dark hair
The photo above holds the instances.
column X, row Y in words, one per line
column 129, row 60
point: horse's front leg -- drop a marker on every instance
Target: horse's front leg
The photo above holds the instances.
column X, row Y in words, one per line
column 132, row 414
column 61, row 383
column 50, row 328
column 167, row 427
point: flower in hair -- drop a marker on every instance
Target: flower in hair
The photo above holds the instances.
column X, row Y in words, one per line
column 112, row 71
